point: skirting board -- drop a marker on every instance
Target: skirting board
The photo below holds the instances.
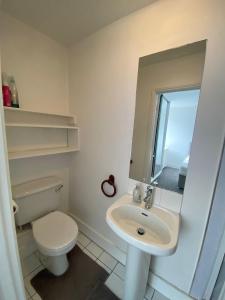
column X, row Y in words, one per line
column 167, row 289
column 155, row 281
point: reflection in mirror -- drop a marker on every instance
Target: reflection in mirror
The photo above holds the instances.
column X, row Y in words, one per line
column 173, row 137
column 168, row 89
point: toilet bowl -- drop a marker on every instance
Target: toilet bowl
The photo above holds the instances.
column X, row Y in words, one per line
column 55, row 235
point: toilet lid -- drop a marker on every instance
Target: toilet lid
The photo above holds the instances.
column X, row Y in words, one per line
column 55, row 231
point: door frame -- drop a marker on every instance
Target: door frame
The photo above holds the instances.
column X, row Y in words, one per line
column 213, row 246
column 216, row 270
column 217, row 264
column 160, row 99
column 11, row 279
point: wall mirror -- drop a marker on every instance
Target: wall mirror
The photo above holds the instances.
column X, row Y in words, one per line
column 167, row 96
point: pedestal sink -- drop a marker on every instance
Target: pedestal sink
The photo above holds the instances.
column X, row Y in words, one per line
column 148, row 232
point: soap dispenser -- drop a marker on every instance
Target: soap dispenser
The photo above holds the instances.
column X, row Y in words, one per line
column 137, row 194
column 14, row 92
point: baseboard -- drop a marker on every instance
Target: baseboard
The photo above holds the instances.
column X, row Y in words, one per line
column 166, row 288
column 155, row 281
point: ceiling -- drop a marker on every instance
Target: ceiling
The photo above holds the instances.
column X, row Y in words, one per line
column 68, row 21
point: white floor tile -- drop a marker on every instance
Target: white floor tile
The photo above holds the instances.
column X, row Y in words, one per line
column 29, row 264
column 158, row 296
column 80, row 246
column 27, row 295
column 36, row 297
column 115, row 284
column 94, row 249
column 89, row 254
column 27, row 280
column 103, row 266
column 108, row 260
column 149, row 293
column 83, row 240
column 42, row 258
column 120, row 270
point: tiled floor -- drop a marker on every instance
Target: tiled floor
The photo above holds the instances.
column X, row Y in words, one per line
column 33, row 264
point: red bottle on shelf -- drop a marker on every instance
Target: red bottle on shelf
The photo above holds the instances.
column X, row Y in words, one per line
column 6, row 91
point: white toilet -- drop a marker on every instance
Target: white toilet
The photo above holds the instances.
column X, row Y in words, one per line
column 54, row 232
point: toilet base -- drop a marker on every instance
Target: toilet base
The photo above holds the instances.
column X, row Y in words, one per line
column 57, row 265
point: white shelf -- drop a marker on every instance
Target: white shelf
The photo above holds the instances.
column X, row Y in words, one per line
column 13, row 109
column 40, row 152
column 29, row 125
column 33, row 134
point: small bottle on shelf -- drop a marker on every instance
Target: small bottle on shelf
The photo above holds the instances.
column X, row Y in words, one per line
column 14, row 92
column 137, row 194
column 6, row 90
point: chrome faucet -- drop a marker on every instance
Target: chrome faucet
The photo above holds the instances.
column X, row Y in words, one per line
column 149, row 198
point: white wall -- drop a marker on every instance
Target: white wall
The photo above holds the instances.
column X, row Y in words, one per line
column 179, row 133
column 40, row 67
column 103, row 75
column 38, row 63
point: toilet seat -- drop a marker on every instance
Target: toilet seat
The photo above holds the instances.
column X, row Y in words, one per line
column 55, row 233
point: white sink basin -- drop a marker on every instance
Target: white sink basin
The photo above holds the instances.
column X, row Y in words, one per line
column 160, row 226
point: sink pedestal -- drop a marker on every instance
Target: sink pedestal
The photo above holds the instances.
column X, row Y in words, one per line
column 137, row 269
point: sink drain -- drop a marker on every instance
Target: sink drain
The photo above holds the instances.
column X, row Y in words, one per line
column 140, row 231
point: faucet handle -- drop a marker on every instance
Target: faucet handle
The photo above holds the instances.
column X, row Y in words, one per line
column 154, row 183
column 149, row 189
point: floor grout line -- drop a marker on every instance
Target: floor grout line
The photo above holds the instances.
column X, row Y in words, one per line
column 27, row 292
column 117, row 276
column 31, row 271
column 88, row 244
column 97, row 258
column 115, row 266
column 111, row 271
column 90, row 253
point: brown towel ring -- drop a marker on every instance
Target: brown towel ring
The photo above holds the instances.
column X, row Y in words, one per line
column 110, row 181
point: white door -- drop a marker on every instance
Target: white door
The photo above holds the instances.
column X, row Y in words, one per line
column 11, row 280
